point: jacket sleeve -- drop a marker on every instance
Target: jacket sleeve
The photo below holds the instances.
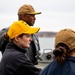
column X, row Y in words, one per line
column 36, row 41
column 2, row 41
column 26, row 67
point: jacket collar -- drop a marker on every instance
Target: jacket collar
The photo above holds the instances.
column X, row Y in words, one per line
column 11, row 45
column 70, row 58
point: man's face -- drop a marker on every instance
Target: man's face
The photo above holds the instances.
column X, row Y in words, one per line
column 30, row 19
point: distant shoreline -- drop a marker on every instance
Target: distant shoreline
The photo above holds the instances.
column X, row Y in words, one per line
column 46, row 34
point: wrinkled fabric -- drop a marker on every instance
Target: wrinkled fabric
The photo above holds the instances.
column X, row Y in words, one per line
column 66, row 68
column 15, row 62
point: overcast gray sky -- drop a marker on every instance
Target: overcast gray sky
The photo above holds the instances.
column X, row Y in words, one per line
column 56, row 14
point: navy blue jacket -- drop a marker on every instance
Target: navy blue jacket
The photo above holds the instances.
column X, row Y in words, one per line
column 15, row 62
column 66, row 68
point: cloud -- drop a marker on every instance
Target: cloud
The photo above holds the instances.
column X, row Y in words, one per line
column 56, row 14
